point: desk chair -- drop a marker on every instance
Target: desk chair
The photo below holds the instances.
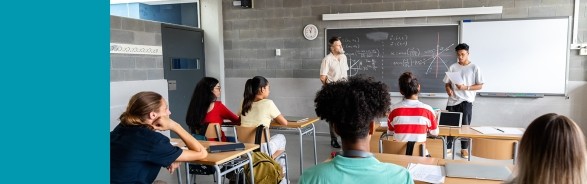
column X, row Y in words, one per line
column 498, row 149
column 213, row 132
column 400, row 148
column 247, row 135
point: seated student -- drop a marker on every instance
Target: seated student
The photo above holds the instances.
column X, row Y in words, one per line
column 204, row 109
column 137, row 151
column 352, row 107
column 258, row 110
column 552, row 150
column 410, row 119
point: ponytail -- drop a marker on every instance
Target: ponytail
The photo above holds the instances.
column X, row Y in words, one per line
column 252, row 87
column 138, row 108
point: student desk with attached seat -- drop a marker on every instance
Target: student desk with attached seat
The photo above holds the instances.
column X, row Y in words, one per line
column 301, row 128
column 218, row 159
column 466, row 131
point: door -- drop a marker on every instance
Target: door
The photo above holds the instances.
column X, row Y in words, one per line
column 183, row 66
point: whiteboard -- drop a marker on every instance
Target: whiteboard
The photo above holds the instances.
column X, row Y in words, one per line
column 520, row 56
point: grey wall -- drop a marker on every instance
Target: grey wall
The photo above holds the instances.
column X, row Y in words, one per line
column 252, row 35
column 131, row 67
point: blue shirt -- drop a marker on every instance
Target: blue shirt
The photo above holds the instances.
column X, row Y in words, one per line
column 356, row 170
column 137, row 154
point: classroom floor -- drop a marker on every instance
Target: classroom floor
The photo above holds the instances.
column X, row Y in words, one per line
column 292, row 148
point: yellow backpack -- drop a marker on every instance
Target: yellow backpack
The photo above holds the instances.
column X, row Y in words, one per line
column 265, row 169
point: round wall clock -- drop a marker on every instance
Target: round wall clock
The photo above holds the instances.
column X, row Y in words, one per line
column 310, row 32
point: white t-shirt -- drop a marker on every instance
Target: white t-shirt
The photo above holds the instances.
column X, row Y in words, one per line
column 262, row 112
column 333, row 68
column 471, row 75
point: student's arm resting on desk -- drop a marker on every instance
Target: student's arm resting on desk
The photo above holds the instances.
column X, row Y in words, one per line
column 196, row 150
column 280, row 120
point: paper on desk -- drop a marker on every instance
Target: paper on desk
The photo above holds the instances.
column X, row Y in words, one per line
column 455, row 77
column 426, row 173
column 507, row 130
column 487, row 130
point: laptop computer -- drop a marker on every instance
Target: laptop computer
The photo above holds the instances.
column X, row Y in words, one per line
column 450, row 119
column 477, row 171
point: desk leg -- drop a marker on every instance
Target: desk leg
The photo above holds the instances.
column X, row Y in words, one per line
column 314, row 138
column 251, row 167
column 179, row 175
column 301, row 151
column 444, row 147
column 218, row 174
column 454, row 151
column 187, row 173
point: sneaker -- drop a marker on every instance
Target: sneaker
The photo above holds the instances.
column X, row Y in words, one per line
column 448, row 152
column 465, row 154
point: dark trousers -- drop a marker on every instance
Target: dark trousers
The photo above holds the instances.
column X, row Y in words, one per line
column 332, row 133
column 467, row 109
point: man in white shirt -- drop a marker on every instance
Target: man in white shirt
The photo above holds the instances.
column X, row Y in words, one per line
column 334, row 67
column 462, row 96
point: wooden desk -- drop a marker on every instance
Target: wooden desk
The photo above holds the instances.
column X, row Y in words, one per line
column 466, row 131
column 301, row 128
column 442, row 133
column 217, row 159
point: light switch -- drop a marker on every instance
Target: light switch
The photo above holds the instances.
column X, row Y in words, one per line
column 583, row 52
column 171, row 85
column 278, row 52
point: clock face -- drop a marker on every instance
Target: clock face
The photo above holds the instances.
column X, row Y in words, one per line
column 310, row 32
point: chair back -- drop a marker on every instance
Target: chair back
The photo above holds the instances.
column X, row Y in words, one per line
column 213, row 131
column 401, row 148
column 498, row 149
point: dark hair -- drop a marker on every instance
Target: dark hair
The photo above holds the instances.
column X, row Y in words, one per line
column 199, row 104
column 462, row 46
column 332, row 40
column 251, row 90
column 351, row 105
column 408, row 84
column 552, row 150
column 139, row 106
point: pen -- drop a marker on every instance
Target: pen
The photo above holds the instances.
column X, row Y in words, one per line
column 500, row 130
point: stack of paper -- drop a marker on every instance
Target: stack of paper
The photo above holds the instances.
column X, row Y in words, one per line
column 426, row 173
column 487, row 130
column 296, row 119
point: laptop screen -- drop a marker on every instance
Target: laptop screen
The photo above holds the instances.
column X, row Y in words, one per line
column 450, row 119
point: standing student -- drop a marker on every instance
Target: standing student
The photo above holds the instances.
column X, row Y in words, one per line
column 462, row 96
column 334, row 67
column 352, row 107
column 552, row 150
column 257, row 110
column 137, row 151
column 204, row 109
column 410, row 119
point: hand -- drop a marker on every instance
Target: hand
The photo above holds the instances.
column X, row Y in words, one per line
column 164, row 123
column 461, row 86
column 172, row 167
column 449, row 92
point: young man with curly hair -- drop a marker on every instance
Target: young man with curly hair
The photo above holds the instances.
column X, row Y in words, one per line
column 352, row 106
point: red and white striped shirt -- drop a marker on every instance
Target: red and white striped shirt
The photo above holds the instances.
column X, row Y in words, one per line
column 409, row 120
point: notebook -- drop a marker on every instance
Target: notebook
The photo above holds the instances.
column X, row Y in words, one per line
column 226, row 147
column 450, row 119
column 477, row 171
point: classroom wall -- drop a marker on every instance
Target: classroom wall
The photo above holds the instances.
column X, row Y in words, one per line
column 132, row 67
column 252, row 35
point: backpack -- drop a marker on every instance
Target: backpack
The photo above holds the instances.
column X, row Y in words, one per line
column 265, row 169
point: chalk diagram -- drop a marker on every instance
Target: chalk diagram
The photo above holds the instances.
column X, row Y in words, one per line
column 436, row 57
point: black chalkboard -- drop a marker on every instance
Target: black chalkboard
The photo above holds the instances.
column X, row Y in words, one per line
column 386, row 52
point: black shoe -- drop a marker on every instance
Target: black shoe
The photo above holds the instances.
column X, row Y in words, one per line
column 334, row 144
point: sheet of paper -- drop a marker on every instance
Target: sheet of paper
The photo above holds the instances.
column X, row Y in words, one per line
column 508, row 130
column 426, row 173
column 487, row 130
column 455, row 77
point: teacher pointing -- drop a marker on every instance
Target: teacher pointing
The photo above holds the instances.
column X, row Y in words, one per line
column 334, row 67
